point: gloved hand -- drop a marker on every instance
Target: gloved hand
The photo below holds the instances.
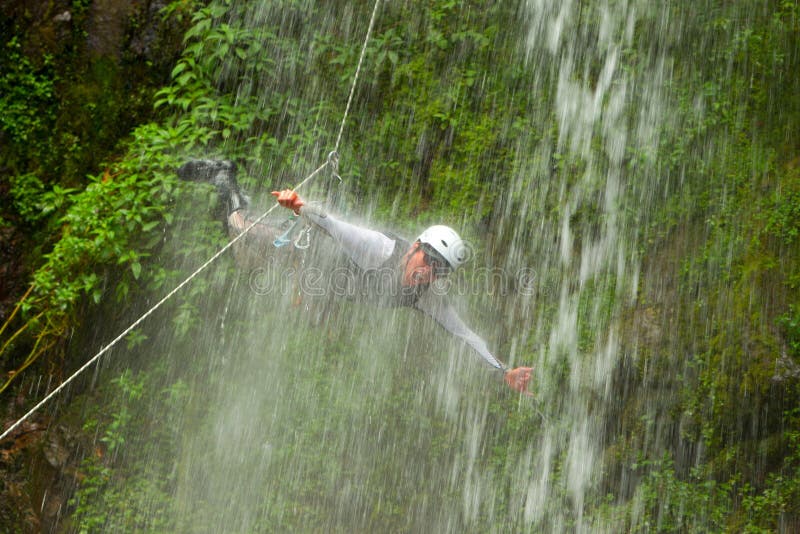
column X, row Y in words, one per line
column 288, row 198
column 517, row 379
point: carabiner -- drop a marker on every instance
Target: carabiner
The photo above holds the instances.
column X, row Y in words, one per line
column 286, row 237
column 303, row 240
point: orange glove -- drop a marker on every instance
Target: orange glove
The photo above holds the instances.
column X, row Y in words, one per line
column 517, row 379
column 289, row 199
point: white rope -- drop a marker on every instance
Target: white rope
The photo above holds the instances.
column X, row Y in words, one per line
column 332, row 161
column 149, row 312
column 358, row 71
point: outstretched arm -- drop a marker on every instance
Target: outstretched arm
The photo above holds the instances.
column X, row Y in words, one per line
column 444, row 314
column 367, row 248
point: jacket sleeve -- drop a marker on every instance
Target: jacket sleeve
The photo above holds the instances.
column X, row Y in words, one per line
column 443, row 313
column 369, row 249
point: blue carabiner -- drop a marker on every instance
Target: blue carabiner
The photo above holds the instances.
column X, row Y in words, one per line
column 288, row 236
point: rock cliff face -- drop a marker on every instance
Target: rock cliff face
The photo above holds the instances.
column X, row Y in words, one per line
column 123, row 50
column 108, row 27
column 107, row 21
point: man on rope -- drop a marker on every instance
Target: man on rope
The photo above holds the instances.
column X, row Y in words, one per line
column 389, row 270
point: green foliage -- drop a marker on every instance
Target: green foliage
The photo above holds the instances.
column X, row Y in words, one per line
column 100, row 503
column 442, row 132
column 782, row 211
column 212, row 115
column 26, row 95
column 441, row 117
column 730, row 215
column 672, row 504
column 64, row 106
column 778, row 502
column 698, row 501
column 790, row 324
column 34, row 202
column 104, row 226
column 112, row 224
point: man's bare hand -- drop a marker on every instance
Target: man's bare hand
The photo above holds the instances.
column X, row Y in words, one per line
column 289, row 199
column 517, row 379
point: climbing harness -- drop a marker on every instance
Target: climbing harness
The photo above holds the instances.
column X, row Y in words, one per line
column 332, row 162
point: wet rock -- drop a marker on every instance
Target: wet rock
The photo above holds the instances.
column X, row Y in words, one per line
column 107, row 26
column 55, row 451
column 145, row 42
column 785, row 369
column 66, row 16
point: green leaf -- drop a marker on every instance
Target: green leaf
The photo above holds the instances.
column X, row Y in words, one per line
column 136, row 269
column 180, row 67
column 147, row 227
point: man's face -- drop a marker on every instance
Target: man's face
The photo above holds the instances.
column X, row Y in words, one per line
column 423, row 266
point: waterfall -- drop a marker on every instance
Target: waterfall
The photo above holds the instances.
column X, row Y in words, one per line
column 305, row 411
column 604, row 115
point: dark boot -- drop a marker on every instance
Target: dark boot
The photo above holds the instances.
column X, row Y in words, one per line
column 222, row 175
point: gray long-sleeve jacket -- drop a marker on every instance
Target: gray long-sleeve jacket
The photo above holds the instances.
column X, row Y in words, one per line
column 373, row 251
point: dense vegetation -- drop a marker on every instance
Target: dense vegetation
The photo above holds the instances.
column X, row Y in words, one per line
column 701, row 424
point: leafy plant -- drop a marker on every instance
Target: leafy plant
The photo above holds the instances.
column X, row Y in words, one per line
column 25, row 91
column 110, row 223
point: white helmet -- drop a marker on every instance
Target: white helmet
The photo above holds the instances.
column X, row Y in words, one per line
column 445, row 241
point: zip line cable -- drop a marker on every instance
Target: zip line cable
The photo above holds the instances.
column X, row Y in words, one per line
column 332, row 161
